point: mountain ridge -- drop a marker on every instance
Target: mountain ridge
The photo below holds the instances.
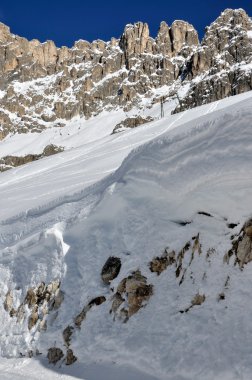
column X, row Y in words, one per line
column 43, row 86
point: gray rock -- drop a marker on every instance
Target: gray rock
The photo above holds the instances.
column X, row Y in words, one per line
column 67, row 334
column 132, row 294
column 70, row 357
column 8, row 302
column 54, row 355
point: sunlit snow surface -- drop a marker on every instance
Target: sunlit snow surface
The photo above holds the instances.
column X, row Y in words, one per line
column 123, row 195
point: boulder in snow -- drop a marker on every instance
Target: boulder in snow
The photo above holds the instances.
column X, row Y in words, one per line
column 111, row 269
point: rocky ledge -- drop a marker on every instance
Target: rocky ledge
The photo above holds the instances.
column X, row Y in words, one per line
column 10, row 162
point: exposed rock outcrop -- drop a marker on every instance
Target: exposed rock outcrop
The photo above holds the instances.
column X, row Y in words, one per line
column 67, row 334
column 111, row 269
column 160, row 263
column 244, row 247
column 169, row 257
column 33, row 319
column 183, row 37
column 131, row 122
column 80, row 317
column 54, row 355
column 223, row 60
column 70, row 357
column 8, row 303
column 9, row 162
column 197, row 300
column 132, row 293
column 40, row 301
column 241, row 246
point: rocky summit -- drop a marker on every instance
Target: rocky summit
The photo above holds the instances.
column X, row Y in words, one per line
column 43, row 86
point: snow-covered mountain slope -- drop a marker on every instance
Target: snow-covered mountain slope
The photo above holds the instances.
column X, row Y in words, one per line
column 178, row 189
column 91, row 155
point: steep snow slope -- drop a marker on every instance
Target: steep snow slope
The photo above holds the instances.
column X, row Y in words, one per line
column 190, row 181
column 89, row 160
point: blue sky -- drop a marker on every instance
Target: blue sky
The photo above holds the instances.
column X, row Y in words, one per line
column 67, row 21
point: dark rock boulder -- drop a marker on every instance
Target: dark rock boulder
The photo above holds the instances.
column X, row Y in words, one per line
column 111, row 269
column 70, row 357
column 67, row 334
column 54, row 355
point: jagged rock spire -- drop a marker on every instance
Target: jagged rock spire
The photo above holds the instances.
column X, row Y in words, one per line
column 135, row 38
column 183, row 34
column 163, row 40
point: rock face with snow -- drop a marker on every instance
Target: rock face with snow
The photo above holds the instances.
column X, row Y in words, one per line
column 242, row 246
column 42, row 85
column 131, row 122
column 9, row 162
column 132, row 293
column 39, row 300
column 223, row 62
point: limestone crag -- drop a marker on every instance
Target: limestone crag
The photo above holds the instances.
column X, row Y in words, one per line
column 224, row 60
column 43, row 86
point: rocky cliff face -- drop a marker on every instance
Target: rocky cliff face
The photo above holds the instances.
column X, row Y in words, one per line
column 42, row 85
column 222, row 65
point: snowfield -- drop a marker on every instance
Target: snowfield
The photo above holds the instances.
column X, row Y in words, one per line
column 131, row 195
